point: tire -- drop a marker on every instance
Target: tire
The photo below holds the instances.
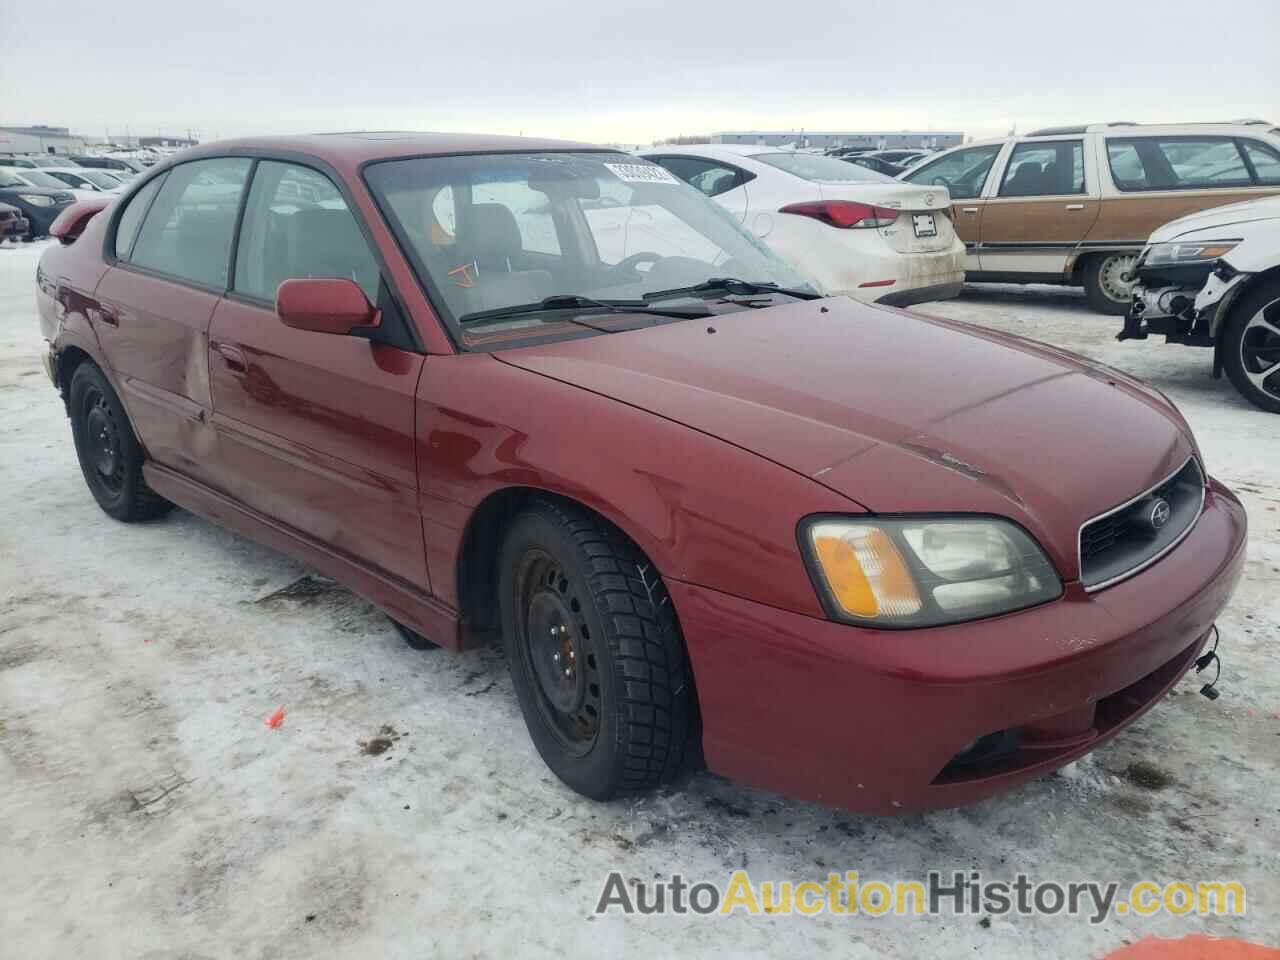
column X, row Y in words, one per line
column 1251, row 340
column 580, row 602
column 110, row 456
column 1106, row 292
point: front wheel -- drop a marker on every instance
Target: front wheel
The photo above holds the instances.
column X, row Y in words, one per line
column 1251, row 346
column 1108, row 283
column 595, row 652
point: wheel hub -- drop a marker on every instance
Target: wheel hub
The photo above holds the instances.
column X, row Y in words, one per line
column 1112, row 277
column 103, row 442
column 554, row 655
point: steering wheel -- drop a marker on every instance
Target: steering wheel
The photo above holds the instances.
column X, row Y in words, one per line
column 629, row 264
column 942, row 182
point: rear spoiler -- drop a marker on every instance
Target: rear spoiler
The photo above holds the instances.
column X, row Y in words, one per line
column 71, row 222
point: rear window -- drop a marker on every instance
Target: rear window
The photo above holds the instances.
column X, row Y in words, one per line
column 1177, row 163
column 820, row 169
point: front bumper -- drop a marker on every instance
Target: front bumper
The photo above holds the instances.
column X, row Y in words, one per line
column 872, row 720
column 1184, row 304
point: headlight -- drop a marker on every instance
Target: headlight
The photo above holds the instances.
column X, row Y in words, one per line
column 922, row 572
column 36, row 200
column 1162, row 254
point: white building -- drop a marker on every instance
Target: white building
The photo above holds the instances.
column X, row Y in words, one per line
column 881, row 140
column 40, row 139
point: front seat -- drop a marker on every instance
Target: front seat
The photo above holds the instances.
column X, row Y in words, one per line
column 492, row 239
column 327, row 243
column 1026, row 180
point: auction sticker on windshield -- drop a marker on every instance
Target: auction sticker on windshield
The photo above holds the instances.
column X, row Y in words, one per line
column 641, row 173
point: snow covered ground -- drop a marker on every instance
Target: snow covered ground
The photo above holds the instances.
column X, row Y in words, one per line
column 148, row 810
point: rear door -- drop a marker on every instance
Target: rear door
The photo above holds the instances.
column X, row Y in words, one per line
column 1043, row 209
column 964, row 173
column 726, row 183
column 172, row 249
column 315, row 430
column 1155, row 179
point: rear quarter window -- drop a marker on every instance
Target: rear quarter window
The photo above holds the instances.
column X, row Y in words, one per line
column 1176, row 163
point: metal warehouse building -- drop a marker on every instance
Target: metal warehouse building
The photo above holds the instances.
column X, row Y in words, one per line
column 886, row 140
column 40, row 139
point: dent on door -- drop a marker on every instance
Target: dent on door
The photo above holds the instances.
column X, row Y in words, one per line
column 158, row 354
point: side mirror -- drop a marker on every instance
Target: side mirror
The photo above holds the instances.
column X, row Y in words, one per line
column 325, row 306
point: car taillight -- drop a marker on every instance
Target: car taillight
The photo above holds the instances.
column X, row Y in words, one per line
column 845, row 214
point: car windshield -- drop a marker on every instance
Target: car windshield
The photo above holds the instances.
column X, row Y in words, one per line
column 494, row 236
column 820, row 169
column 38, row 178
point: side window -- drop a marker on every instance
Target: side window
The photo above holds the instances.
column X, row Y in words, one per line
column 1176, row 163
column 187, row 232
column 530, row 209
column 296, row 225
column 711, row 178
column 963, row 172
column 1039, row 169
column 131, row 219
column 1265, row 160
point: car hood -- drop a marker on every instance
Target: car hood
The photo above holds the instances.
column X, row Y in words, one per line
column 896, row 411
column 1268, row 208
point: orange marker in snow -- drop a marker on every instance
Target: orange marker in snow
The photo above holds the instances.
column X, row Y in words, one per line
column 276, row 719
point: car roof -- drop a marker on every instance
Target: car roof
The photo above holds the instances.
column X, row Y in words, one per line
column 348, row 151
column 721, row 149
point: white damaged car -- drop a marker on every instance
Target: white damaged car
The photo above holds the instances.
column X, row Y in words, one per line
column 1212, row 279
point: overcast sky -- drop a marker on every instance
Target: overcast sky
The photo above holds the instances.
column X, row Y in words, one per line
column 629, row 72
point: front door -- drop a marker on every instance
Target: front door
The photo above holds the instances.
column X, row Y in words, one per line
column 1040, row 213
column 316, row 431
column 964, row 173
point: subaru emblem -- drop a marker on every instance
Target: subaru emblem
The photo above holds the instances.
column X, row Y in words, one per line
column 1159, row 514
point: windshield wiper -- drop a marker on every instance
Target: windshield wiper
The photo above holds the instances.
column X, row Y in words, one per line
column 728, row 285
column 573, row 301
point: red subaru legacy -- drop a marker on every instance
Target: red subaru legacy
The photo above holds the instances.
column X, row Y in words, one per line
column 544, row 391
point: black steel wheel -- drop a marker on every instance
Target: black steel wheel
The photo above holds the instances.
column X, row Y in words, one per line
column 595, row 652
column 110, row 456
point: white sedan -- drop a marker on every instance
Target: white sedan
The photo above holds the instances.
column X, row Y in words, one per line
column 82, row 178
column 851, row 230
column 44, row 178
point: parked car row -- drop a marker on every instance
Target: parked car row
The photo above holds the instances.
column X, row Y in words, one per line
column 1075, row 205
column 48, row 178
column 546, row 391
column 39, row 205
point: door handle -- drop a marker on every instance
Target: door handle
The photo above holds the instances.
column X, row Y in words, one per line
column 108, row 316
column 232, row 358
column 968, row 209
column 1075, row 206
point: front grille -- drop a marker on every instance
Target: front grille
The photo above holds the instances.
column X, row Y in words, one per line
column 1127, row 539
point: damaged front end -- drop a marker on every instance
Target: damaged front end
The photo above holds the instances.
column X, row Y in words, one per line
column 1182, row 292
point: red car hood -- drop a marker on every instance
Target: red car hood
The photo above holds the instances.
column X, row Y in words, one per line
column 896, row 411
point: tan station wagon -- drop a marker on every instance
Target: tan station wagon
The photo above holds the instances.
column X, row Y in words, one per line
column 1075, row 205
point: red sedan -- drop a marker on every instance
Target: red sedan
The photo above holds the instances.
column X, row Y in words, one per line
column 542, row 391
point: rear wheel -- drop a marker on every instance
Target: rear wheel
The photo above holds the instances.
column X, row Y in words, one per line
column 1251, row 346
column 1105, row 283
column 595, row 652
column 110, row 456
